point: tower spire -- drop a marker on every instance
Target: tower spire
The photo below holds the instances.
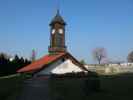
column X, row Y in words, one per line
column 58, row 11
column 58, row 7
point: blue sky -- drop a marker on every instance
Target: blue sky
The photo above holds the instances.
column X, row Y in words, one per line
column 24, row 25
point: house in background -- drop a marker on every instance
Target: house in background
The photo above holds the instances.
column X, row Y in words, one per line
column 59, row 60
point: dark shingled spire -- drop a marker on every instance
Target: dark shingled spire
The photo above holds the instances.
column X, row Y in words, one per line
column 57, row 19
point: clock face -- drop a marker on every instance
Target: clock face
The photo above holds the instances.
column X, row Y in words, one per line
column 53, row 31
column 61, row 31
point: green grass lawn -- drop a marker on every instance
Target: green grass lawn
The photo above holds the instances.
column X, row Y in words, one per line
column 112, row 87
column 116, row 87
column 9, row 85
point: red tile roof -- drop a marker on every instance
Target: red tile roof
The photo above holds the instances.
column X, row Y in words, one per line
column 41, row 63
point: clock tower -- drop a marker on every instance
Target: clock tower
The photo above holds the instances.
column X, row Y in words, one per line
column 57, row 34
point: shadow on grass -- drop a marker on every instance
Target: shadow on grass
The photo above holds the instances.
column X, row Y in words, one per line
column 111, row 87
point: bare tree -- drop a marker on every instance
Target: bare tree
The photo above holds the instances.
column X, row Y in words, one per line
column 99, row 54
column 130, row 57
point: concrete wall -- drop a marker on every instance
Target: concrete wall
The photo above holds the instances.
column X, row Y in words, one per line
column 115, row 69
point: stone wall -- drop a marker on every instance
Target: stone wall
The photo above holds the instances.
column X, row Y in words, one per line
column 106, row 69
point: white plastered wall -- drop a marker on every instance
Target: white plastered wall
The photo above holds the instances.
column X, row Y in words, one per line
column 60, row 67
